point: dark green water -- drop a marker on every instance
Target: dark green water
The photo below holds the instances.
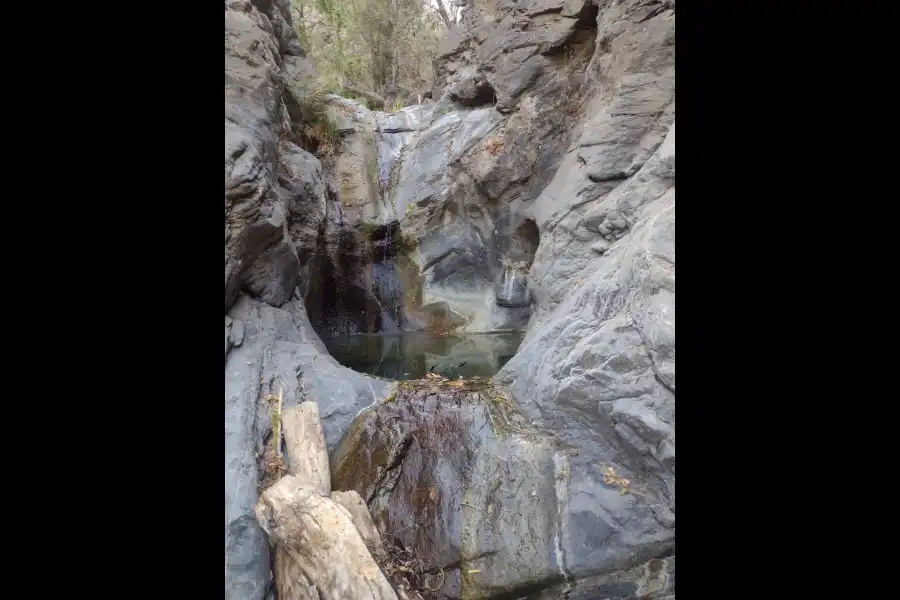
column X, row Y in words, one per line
column 413, row 354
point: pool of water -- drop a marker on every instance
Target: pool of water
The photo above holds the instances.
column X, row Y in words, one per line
column 411, row 355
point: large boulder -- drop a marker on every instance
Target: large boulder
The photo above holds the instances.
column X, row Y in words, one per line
column 462, row 480
column 462, row 483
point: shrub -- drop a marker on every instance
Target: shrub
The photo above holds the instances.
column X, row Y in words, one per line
column 311, row 110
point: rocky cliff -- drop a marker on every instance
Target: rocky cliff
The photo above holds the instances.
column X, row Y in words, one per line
column 281, row 207
column 538, row 191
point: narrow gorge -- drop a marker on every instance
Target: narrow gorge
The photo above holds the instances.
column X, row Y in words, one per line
column 469, row 295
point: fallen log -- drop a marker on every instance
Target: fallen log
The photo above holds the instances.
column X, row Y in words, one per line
column 290, row 580
column 319, row 535
column 305, row 445
column 359, row 514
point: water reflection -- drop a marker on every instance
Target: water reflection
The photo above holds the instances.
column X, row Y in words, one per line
column 413, row 354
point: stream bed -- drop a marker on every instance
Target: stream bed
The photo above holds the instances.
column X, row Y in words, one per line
column 410, row 355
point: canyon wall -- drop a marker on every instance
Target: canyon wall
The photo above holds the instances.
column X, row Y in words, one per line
column 538, row 192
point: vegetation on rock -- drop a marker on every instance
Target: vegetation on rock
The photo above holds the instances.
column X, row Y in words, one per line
column 370, row 48
column 319, row 131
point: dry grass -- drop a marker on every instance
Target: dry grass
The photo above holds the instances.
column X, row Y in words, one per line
column 494, row 145
column 611, row 478
column 318, row 129
column 273, row 469
column 407, row 574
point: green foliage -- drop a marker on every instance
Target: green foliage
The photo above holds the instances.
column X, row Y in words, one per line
column 405, row 244
column 318, row 127
column 370, row 43
column 367, row 230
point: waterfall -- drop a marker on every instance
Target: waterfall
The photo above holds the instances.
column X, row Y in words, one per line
column 509, row 274
column 392, row 133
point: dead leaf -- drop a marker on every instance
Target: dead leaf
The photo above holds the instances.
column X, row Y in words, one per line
column 610, row 478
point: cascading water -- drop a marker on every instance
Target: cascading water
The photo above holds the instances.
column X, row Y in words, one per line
column 365, row 273
column 387, row 283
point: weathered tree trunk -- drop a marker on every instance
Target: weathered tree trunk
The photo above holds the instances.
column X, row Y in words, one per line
column 305, row 445
column 290, row 580
column 444, row 15
column 362, row 520
column 319, row 535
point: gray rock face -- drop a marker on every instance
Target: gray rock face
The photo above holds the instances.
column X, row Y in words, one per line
column 275, row 196
column 600, row 348
column 559, row 200
column 278, row 202
column 523, row 82
column 475, row 481
column 277, row 350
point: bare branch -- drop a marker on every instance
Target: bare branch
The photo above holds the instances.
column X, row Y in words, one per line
column 444, row 15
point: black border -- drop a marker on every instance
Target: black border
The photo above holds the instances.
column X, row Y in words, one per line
column 148, row 486
column 135, row 299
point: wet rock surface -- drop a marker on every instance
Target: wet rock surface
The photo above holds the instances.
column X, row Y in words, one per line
column 454, row 474
column 459, row 481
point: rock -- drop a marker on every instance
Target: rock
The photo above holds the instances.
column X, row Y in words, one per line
column 654, row 579
column 487, row 491
column 462, row 232
column 597, row 364
column 246, row 550
column 305, row 446
column 375, row 101
column 319, row 536
column 405, row 120
column 551, row 206
column 279, row 349
column 618, row 141
column 465, row 484
column 512, row 289
column 422, row 173
column 472, row 89
column 274, row 199
column 438, row 316
column 570, row 174
column 473, row 128
column 600, row 247
column 356, row 164
column 286, row 353
column 275, row 203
